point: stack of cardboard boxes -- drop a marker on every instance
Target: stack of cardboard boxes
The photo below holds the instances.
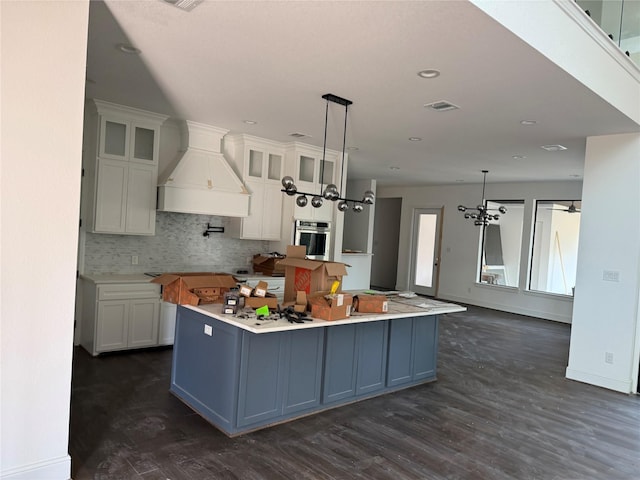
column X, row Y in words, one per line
column 313, row 280
column 309, row 285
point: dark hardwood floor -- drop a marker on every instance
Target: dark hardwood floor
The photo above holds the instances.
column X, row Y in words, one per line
column 501, row 409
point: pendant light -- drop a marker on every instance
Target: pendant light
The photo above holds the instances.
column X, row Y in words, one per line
column 481, row 215
column 331, row 191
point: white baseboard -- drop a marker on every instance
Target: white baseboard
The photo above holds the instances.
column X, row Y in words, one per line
column 508, row 308
column 53, row 469
column 622, row 386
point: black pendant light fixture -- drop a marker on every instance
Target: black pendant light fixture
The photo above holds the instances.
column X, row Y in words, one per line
column 331, row 191
column 480, row 214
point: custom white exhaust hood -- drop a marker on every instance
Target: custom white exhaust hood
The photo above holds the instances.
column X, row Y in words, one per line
column 202, row 181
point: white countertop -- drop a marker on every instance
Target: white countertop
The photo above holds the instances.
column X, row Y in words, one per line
column 117, row 278
column 398, row 308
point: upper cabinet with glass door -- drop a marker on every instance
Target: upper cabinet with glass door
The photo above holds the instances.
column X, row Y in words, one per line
column 120, row 164
column 312, row 172
column 128, row 134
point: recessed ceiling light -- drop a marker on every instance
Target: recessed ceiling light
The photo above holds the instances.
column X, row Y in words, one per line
column 126, row 48
column 299, row 135
column 575, row 175
column 249, row 122
column 353, row 149
column 441, row 106
column 415, row 139
column 518, row 157
column 528, row 122
column 554, row 148
column 428, row 73
column 460, row 181
column 394, row 168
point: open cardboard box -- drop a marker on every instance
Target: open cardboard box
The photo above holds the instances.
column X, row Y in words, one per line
column 195, row 288
column 306, row 275
column 330, row 307
column 268, row 265
column 270, row 300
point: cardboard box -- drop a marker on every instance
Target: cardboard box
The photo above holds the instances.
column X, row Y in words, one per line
column 371, row 304
column 245, row 290
column 269, row 300
column 268, row 265
column 260, row 289
column 309, row 276
column 194, row 288
column 330, row 307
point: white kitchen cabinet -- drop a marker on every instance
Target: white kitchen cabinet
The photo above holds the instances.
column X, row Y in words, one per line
column 312, row 176
column 167, row 330
column 120, row 169
column 119, row 316
column 259, row 163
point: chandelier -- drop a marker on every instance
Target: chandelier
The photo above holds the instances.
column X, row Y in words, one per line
column 481, row 215
column 331, row 191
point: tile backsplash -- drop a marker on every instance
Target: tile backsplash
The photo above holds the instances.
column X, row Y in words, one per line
column 178, row 245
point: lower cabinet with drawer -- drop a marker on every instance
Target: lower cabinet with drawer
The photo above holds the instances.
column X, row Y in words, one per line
column 119, row 316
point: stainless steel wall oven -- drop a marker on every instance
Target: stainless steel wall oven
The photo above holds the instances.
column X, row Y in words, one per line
column 316, row 236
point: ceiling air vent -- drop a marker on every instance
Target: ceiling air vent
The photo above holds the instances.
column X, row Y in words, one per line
column 186, row 5
column 298, row 135
column 441, row 106
column 554, row 148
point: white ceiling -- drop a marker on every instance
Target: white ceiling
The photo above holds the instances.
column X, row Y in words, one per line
column 229, row 61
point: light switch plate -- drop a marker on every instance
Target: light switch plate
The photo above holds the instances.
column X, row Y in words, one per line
column 208, row 330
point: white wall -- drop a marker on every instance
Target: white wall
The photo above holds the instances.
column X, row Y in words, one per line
column 43, row 74
column 605, row 315
column 460, row 244
column 541, row 23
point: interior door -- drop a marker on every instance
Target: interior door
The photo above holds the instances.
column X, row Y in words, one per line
column 425, row 251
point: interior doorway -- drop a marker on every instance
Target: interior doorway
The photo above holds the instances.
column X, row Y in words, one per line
column 386, row 234
column 425, row 251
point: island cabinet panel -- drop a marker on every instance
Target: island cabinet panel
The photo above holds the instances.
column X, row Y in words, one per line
column 372, row 357
column 206, row 367
column 280, row 374
column 355, row 360
column 261, row 377
column 340, row 363
column 303, row 378
column 412, row 350
column 425, row 348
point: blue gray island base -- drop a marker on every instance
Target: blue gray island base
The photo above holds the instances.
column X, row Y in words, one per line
column 241, row 381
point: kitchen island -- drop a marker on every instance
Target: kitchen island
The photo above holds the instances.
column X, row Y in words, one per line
column 245, row 374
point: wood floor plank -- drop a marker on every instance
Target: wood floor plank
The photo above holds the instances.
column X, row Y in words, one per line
column 500, row 409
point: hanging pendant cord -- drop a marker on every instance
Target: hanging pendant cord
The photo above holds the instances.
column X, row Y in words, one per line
column 484, row 180
column 344, row 142
column 324, row 147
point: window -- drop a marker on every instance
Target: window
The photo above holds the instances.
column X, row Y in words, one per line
column 501, row 244
column 554, row 255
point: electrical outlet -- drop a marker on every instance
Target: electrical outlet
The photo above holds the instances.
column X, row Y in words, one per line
column 611, row 275
column 249, row 260
column 608, row 357
column 134, row 259
column 208, row 330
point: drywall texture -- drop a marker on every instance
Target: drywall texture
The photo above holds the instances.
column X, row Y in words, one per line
column 178, row 245
column 43, row 76
column 605, row 315
column 461, row 240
